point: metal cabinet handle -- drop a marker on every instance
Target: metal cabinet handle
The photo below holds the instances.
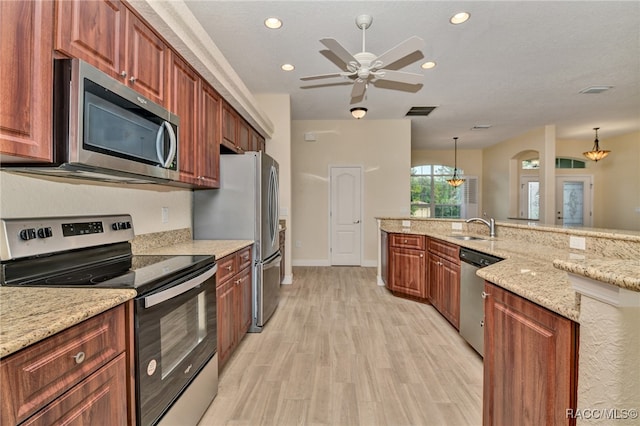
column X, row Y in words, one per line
column 238, row 282
column 421, row 255
column 484, row 295
column 230, row 267
column 133, row 79
column 79, row 357
column 123, row 73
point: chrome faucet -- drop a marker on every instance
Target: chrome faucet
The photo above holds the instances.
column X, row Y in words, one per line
column 491, row 224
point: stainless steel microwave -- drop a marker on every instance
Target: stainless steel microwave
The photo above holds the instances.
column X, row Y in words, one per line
column 104, row 130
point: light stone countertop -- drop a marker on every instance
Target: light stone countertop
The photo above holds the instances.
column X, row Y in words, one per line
column 527, row 269
column 623, row 273
column 31, row 314
column 218, row 248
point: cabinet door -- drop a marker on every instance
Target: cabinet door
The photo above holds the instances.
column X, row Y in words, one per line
column 229, row 127
column 451, row 288
column 93, row 32
column 209, row 143
column 98, row 400
column 245, row 299
column 185, row 88
column 530, row 362
column 26, row 79
column 146, row 60
column 244, row 135
column 227, row 307
column 435, row 287
column 407, row 270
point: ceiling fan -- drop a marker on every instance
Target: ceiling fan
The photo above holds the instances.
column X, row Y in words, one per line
column 365, row 67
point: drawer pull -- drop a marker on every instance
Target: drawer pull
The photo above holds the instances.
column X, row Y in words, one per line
column 484, row 295
column 230, row 267
column 79, row 357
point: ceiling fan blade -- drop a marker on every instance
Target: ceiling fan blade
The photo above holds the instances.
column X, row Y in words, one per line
column 342, row 53
column 405, row 48
column 358, row 88
column 319, row 76
column 399, row 76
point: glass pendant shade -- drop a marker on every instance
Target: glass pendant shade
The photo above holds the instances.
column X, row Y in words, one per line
column 596, row 153
column 455, row 180
column 358, row 112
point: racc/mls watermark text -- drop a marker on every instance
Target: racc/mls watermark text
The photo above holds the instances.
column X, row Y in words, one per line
column 602, row 413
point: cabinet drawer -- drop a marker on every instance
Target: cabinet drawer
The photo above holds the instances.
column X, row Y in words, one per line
column 41, row 373
column 227, row 267
column 244, row 258
column 446, row 250
column 407, row 241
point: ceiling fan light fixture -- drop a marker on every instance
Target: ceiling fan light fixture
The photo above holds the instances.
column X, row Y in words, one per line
column 358, row 112
column 596, row 153
column 460, row 18
column 273, row 23
column 287, row 67
column 428, row 65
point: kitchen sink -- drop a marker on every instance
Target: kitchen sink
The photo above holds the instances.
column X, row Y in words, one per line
column 467, row 237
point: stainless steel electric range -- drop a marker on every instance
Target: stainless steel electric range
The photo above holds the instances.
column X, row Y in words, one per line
column 175, row 308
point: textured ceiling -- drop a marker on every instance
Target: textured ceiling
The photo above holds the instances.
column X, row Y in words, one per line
column 514, row 66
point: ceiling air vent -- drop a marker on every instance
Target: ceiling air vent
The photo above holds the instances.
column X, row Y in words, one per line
column 420, row 111
column 596, row 89
column 481, row 127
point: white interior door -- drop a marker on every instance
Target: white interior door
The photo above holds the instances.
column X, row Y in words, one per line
column 345, row 215
column 573, row 200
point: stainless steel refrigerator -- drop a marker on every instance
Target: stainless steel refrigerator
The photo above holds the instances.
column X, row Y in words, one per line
column 246, row 208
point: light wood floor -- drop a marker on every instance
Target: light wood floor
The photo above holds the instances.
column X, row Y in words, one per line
column 340, row 350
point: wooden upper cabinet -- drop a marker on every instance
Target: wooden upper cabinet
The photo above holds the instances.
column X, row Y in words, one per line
column 229, row 128
column 209, row 142
column 184, row 98
column 244, row 135
column 257, row 141
column 107, row 35
column 26, row 79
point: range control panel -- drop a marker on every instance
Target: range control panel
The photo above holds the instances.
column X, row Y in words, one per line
column 26, row 237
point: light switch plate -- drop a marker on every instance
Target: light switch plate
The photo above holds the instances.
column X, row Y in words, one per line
column 406, row 223
column 456, row 226
column 165, row 215
column 577, row 243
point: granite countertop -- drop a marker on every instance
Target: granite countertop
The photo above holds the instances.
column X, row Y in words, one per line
column 623, row 273
column 527, row 269
column 31, row 314
column 218, row 248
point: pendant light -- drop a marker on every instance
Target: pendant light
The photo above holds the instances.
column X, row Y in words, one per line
column 455, row 180
column 596, row 153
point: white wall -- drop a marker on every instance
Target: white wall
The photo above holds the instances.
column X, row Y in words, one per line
column 25, row 196
column 381, row 147
column 278, row 108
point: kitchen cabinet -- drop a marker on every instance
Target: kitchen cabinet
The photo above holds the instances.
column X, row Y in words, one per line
column 444, row 279
column 257, row 141
column 244, row 135
column 109, row 36
column 384, row 258
column 234, row 301
column 26, row 75
column 530, row 362
column 208, row 157
column 81, row 374
column 407, row 265
column 229, row 128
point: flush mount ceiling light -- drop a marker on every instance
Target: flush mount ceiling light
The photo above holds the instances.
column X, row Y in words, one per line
column 358, row 112
column 287, row 67
column 596, row 153
column 459, row 18
column 273, row 23
column 428, row 65
column 455, row 180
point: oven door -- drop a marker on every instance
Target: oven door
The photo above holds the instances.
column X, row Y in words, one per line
column 176, row 335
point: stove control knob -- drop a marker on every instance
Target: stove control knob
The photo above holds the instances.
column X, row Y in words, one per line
column 45, row 232
column 121, row 225
column 27, row 234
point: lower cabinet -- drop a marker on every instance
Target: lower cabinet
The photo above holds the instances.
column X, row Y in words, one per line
column 234, row 301
column 407, row 265
column 444, row 279
column 79, row 376
column 530, row 362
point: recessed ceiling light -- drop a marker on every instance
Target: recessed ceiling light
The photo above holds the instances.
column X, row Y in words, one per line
column 273, row 23
column 459, row 18
column 287, row 67
column 428, row 65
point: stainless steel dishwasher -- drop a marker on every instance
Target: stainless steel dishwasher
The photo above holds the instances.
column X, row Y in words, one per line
column 471, row 301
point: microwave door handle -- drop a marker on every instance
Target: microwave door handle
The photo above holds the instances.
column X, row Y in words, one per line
column 172, row 292
column 172, row 144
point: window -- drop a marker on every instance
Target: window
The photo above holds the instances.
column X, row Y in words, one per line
column 569, row 163
column 432, row 196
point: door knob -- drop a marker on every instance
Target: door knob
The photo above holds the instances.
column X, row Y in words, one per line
column 356, row 221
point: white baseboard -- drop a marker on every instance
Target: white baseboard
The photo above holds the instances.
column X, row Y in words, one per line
column 370, row 263
column 380, row 282
column 327, row 262
column 287, row 280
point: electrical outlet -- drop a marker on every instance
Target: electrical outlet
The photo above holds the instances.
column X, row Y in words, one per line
column 165, row 214
column 406, row 223
column 456, row 226
column 298, row 243
column 577, row 243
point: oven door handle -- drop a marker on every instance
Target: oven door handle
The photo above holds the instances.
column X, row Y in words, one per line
column 172, row 292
